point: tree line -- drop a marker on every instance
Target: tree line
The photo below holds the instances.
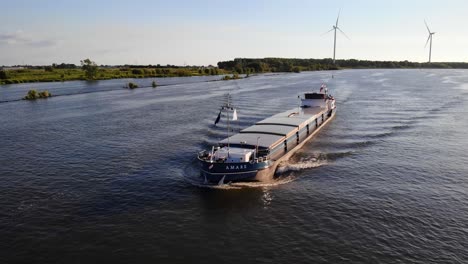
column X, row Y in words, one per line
column 252, row 65
column 89, row 70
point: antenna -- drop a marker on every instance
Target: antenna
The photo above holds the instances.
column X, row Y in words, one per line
column 429, row 40
column 228, row 106
column 334, row 28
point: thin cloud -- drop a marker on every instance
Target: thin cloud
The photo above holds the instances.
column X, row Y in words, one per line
column 20, row 38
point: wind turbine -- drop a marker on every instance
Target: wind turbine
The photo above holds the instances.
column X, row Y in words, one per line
column 429, row 38
column 334, row 28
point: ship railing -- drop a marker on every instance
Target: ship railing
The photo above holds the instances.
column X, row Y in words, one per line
column 206, row 156
column 203, row 155
column 260, row 159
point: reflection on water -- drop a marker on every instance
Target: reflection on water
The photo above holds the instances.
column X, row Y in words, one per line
column 267, row 198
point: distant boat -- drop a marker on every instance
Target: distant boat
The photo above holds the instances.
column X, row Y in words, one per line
column 255, row 152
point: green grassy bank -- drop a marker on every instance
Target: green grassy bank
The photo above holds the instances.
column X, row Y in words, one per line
column 50, row 74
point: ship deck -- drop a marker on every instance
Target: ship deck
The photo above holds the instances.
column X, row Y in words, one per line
column 272, row 131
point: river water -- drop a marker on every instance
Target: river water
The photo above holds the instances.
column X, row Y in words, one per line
column 105, row 174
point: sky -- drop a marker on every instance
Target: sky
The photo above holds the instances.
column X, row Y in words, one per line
column 204, row 32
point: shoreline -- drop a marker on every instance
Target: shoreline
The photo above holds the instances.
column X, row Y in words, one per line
column 239, row 66
column 220, row 79
column 19, row 76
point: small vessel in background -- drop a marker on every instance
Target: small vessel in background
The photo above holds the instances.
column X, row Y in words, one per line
column 255, row 152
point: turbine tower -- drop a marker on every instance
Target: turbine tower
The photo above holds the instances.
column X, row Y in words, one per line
column 334, row 28
column 429, row 39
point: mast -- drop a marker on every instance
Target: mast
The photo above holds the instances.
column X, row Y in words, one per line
column 228, row 108
column 228, row 105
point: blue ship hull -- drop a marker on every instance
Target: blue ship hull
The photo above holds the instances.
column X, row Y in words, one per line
column 214, row 172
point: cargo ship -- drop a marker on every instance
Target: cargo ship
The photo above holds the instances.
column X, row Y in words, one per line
column 255, row 152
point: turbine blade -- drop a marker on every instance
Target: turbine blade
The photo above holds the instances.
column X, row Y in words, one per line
column 428, row 30
column 338, row 18
column 427, row 41
column 343, row 33
column 328, row 32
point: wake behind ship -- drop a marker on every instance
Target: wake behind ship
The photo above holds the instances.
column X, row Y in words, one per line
column 255, row 152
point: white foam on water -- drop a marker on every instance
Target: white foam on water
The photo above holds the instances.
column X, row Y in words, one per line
column 376, row 74
column 462, row 87
column 381, row 80
column 301, row 165
column 226, row 186
column 274, row 182
column 452, row 79
column 195, row 181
